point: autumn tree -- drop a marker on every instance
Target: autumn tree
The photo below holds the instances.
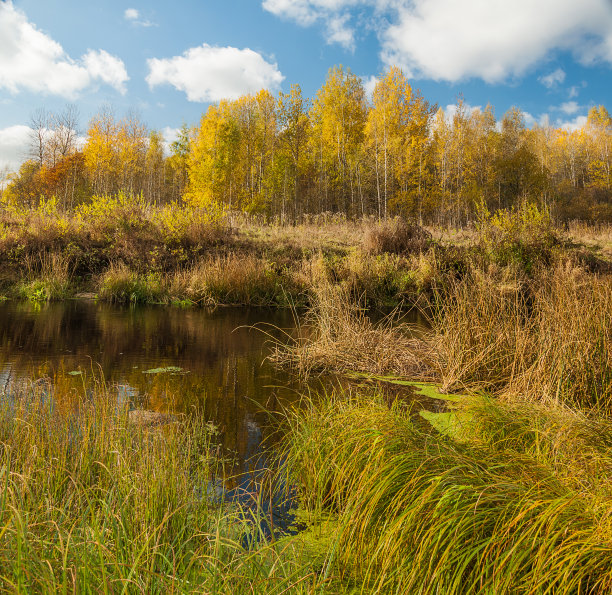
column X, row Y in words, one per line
column 599, row 130
column 294, row 130
column 115, row 153
column 212, row 161
column 176, row 179
column 338, row 117
column 386, row 131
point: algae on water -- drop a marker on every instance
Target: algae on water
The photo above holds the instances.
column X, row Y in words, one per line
column 167, row 369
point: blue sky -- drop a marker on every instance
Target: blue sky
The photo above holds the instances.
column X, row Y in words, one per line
column 168, row 60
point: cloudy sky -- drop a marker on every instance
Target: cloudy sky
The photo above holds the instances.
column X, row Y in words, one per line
column 168, row 60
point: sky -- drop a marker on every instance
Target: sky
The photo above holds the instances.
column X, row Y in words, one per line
column 167, row 61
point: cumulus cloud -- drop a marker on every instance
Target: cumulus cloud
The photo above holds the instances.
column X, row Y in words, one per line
column 14, row 143
column 571, row 125
column 31, row 60
column 209, row 73
column 449, row 40
column 556, row 77
column 109, row 69
column 493, row 40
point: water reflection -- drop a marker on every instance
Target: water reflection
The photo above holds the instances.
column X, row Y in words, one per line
column 223, row 369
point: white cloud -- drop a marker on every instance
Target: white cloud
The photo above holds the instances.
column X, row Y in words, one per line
column 330, row 12
column 553, row 79
column 31, row 60
column 339, row 32
column 450, row 40
column 209, row 74
column 529, row 119
column 109, row 69
column 569, row 107
column 132, row 15
column 368, row 86
column 451, row 110
column 307, row 12
column 494, row 39
column 573, row 92
column 170, row 135
column 571, row 125
column 14, row 143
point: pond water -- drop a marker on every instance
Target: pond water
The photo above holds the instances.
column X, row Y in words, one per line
column 222, row 359
column 215, row 363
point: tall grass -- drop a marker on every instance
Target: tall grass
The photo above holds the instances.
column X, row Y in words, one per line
column 548, row 340
column 545, row 338
column 237, row 279
column 396, row 236
column 91, row 502
column 420, row 513
column 47, row 276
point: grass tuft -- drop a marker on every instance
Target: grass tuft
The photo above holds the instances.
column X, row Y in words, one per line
column 418, row 512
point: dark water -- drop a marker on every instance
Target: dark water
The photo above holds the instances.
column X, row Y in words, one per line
column 224, row 371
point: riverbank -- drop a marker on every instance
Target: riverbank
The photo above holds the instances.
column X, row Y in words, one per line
column 506, row 485
column 128, row 251
column 501, row 484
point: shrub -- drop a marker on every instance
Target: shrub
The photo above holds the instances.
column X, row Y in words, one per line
column 524, row 236
column 396, row 236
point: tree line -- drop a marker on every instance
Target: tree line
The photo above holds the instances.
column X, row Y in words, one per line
column 287, row 156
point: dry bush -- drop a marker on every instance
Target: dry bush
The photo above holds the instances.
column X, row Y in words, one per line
column 396, row 236
column 339, row 336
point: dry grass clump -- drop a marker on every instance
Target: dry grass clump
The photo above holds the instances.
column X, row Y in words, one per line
column 548, row 340
column 479, row 328
column 236, row 279
column 339, row 336
column 47, row 276
column 570, row 359
column 396, row 236
column 120, row 284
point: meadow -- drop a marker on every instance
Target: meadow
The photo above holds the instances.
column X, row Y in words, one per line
column 490, row 472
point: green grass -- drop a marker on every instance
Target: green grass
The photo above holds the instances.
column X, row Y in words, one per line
column 515, row 508
column 90, row 502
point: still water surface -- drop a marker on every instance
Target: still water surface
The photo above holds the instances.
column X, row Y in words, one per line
column 224, row 371
column 218, row 357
